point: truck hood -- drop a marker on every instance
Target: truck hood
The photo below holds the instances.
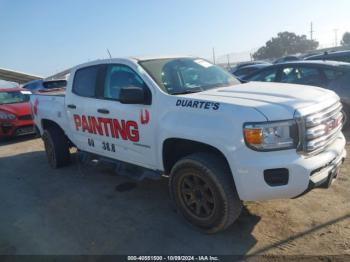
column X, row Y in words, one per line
column 276, row 101
column 17, row 109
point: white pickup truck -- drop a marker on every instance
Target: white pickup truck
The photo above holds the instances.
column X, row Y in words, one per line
column 219, row 141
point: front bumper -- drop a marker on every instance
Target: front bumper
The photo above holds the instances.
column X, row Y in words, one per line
column 16, row 128
column 325, row 176
column 304, row 173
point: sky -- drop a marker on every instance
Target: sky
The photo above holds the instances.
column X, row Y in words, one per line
column 44, row 37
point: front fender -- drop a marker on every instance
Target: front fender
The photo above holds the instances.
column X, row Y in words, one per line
column 221, row 129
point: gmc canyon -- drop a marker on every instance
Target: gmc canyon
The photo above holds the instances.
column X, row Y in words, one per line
column 220, row 142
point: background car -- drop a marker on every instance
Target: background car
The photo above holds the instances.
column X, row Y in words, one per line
column 8, row 84
column 286, row 59
column 15, row 113
column 343, row 56
column 327, row 74
column 244, row 64
column 45, row 85
column 246, row 70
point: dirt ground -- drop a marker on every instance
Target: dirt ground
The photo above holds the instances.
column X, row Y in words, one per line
column 84, row 209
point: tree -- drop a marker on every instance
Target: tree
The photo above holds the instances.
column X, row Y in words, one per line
column 346, row 39
column 286, row 43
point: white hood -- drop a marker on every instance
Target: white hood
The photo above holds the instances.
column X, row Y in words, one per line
column 276, row 101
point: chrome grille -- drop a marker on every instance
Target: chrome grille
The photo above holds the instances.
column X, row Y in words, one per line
column 320, row 129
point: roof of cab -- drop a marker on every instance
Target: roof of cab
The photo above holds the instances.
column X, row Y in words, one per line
column 133, row 59
column 145, row 58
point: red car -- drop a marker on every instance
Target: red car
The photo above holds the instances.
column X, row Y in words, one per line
column 15, row 113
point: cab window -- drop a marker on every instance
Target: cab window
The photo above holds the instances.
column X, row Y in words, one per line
column 85, row 81
column 118, row 77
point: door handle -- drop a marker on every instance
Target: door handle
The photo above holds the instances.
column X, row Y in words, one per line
column 103, row 111
column 72, row 106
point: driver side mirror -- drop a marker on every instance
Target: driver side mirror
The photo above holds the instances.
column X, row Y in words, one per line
column 132, row 95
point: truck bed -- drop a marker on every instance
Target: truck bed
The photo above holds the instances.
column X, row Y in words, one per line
column 56, row 92
column 49, row 106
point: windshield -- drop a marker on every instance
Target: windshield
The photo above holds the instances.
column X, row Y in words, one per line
column 13, row 97
column 187, row 75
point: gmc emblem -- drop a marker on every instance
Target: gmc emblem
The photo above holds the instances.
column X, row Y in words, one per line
column 333, row 123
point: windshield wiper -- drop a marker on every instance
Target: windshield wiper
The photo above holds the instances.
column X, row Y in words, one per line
column 186, row 92
column 208, row 87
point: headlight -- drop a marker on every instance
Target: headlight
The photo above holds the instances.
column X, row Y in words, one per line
column 7, row 116
column 268, row 136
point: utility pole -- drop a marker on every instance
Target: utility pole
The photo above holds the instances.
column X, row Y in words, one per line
column 213, row 55
column 228, row 61
column 311, row 31
column 335, row 37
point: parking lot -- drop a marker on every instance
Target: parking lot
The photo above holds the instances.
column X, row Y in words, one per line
column 87, row 209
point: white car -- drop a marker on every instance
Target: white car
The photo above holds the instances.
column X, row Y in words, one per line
column 219, row 141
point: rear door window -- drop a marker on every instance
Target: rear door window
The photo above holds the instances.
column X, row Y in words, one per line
column 85, row 81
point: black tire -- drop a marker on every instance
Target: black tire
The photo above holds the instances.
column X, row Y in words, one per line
column 212, row 189
column 37, row 132
column 346, row 115
column 56, row 147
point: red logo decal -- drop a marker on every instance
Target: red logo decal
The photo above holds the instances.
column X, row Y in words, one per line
column 35, row 107
column 116, row 128
column 144, row 116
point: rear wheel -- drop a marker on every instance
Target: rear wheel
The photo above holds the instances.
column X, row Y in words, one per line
column 204, row 192
column 56, row 147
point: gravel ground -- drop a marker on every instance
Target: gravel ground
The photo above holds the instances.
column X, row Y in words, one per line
column 84, row 209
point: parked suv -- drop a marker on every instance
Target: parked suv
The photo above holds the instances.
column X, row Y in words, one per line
column 247, row 70
column 342, row 56
column 327, row 74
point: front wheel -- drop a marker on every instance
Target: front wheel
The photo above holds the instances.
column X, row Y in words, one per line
column 204, row 192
